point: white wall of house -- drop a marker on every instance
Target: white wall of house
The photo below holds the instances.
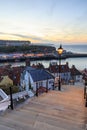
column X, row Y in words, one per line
column 78, row 78
column 28, row 80
column 50, row 83
column 43, row 83
column 66, row 76
column 24, row 83
column 55, row 74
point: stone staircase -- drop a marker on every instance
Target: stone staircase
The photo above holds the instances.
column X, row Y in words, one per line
column 54, row 110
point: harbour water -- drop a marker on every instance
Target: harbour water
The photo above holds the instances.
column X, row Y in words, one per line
column 77, row 48
column 80, row 63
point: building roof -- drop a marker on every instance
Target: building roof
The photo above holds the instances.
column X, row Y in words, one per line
column 74, row 71
column 39, row 74
column 54, row 68
column 4, row 70
column 15, row 73
column 39, row 65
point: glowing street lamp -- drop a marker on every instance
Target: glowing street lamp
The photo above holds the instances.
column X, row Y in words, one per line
column 60, row 51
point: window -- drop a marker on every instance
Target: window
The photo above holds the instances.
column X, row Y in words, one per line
column 40, row 83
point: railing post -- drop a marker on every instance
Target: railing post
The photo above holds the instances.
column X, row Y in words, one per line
column 11, row 99
column 86, row 101
column 36, row 89
column 84, row 92
column 53, row 85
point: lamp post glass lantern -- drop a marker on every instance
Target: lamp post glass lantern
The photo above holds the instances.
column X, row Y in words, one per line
column 60, row 51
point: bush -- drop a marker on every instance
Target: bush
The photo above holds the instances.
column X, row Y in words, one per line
column 6, row 89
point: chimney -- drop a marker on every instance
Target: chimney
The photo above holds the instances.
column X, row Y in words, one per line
column 27, row 62
column 73, row 66
column 67, row 63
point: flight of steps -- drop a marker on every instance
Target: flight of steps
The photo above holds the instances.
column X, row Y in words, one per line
column 54, row 110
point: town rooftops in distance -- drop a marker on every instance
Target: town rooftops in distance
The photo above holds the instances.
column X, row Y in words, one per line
column 14, row 43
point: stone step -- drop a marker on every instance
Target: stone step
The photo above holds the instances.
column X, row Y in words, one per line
column 57, row 109
column 28, row 118
column 30, row 113
column 10, row 123
column 16, row 116
column 79, row 118
column 54, row 110
column 3, row 127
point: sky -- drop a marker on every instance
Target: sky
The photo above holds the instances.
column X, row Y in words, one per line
column 44, row 21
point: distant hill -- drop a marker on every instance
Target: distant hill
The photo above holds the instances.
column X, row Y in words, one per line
column 24, row 47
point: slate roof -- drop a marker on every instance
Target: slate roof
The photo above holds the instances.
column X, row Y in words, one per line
column 74, row 71
column 39, row 74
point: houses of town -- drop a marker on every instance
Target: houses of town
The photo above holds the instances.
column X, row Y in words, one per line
column 37, row 76
column 84, row 73
column 65, row 73
column 76, row 75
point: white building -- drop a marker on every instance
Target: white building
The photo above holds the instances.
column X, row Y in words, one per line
column 65, row 73
column 31, row 78
column 76, row 75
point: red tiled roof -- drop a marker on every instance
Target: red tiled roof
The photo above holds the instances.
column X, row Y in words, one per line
column 13, row 73
column 55, row 68
column 3, row 71
column 39, row 65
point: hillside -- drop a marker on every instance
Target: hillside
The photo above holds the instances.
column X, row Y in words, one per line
column 27, row 49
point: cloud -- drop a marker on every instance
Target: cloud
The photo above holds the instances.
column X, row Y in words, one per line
column 52, row 7
column 23, row 36
column 1, row 33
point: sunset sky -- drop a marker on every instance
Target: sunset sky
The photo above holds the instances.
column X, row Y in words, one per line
column 44, row 21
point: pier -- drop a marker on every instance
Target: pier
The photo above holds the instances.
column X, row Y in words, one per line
column 44, row 57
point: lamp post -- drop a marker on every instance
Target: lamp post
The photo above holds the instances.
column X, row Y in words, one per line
column 85, row 89
column 84, row 92
column 60, row 51
column 53, row 86
column 86, row 101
